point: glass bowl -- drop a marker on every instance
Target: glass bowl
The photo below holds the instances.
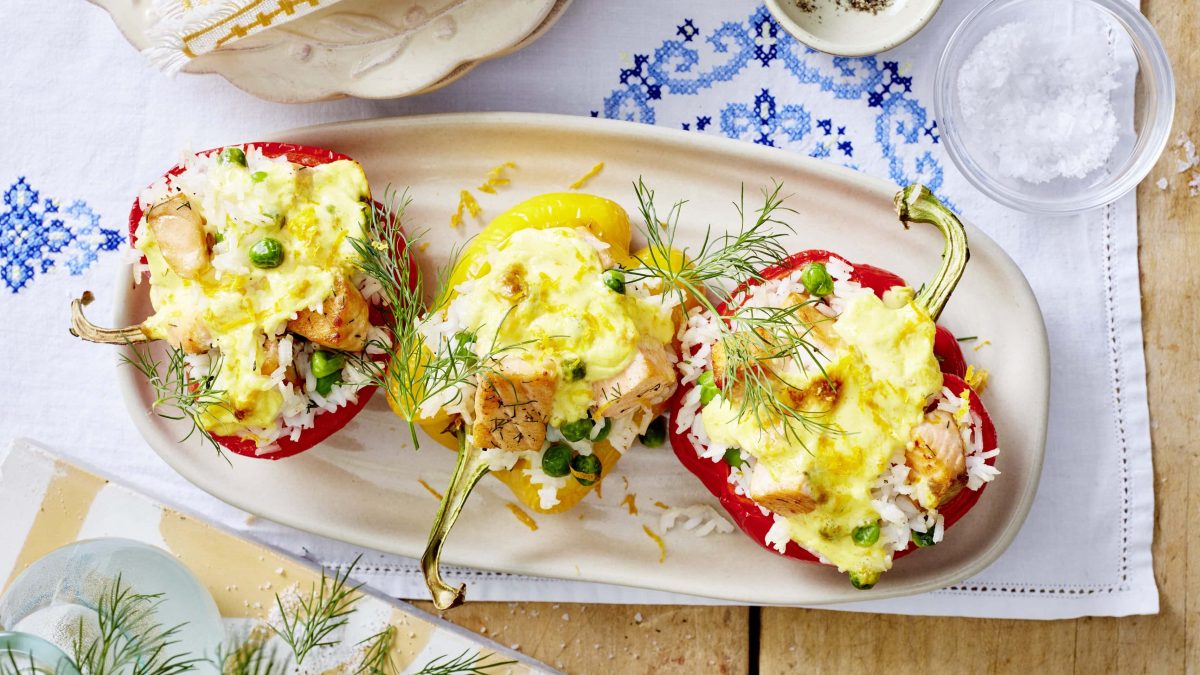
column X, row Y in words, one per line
column 1143, row 103
column 56, row 597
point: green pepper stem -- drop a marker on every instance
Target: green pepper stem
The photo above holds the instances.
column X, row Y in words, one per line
column 469, row 468
column 82, row 328
column 916, row 204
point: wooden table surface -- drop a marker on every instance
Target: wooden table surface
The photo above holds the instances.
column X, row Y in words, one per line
column 611, row 639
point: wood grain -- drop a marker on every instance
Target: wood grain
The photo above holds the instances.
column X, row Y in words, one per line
column 608, row 639
column 616, row 639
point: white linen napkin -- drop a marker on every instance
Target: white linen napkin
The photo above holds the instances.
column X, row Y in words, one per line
column 83, row 135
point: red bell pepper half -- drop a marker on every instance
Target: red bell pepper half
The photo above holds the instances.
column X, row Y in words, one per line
column 915, row 204
column 326, row 423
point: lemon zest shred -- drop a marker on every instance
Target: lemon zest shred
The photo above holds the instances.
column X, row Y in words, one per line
column 981, row 345
column 662, row 506
column 466, row 204
column 495, row 178
column 964, row 408
column 422, row 246
column 631, row 502
column 525, row 518
column 592, row 173
column 977, row 379
column 662, row 547
column 436, row 495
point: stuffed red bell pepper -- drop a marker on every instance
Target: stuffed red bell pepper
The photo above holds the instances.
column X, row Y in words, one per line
column 828, row 413
column 251, row 255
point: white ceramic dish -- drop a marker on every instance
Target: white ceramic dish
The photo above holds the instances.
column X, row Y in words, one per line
column 362, row 486
column 830, row 28
column 363, row 48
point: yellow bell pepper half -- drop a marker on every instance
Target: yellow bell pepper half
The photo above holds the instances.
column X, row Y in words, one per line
column 608, row 222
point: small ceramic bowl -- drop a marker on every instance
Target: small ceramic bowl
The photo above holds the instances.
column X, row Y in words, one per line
column 833, row 27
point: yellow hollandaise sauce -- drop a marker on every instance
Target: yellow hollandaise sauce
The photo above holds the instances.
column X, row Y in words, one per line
column 544, row 290
column 884, row 370
column 312, row 213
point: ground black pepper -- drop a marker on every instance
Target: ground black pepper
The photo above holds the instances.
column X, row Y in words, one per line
column 872, row 6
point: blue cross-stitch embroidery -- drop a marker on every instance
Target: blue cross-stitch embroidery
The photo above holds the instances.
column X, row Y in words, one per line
column 697, row 59
column 36, row 234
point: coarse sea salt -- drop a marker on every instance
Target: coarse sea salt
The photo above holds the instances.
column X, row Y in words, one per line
column 1039, row 101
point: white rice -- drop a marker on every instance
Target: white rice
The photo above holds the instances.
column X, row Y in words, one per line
column 700, row 519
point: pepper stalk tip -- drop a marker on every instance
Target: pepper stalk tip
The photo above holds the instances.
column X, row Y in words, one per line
column 917, row 204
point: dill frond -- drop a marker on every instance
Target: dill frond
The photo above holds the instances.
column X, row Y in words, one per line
column 310, row 623
column 753, row 337
column 466, row 663
column 415, row 372
column 129, row 640
column 252, row 657
column 377, row 656
column 178, row 396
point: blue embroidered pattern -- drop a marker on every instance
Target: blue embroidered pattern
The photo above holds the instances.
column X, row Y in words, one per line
column 36, row 234
column 688, row 63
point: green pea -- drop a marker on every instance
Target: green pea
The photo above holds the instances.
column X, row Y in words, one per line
column 325, row 384
column 326, row 363
column 556, row 460
column 267, row 253
column 923, row 539
column 258, row 176
column 233, row 156
column 816, row 279
column 574, row 369
column 586, row 469
column 866, row 535
column 733, row 457
column 615, row 280
column 708, row 387
column 577, row 430
column 656, row 433
column 861, row 582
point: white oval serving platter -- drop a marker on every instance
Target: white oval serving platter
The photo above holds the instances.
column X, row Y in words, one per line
column 361, row 486
column 363, row 48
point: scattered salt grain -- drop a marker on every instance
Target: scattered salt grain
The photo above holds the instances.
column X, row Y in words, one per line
column 1162, row 183
column 1040, row 100
column 637, row 618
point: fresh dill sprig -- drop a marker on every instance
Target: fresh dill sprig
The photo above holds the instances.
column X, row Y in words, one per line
column 128, row 639
column 177, row 395
column 722, row 261
column 326, row 608
column 767, row 336
column 709, row 276
column 252, row 657
column 11, row 664
column 414, row 371
column 377, row 655
column 466, row 663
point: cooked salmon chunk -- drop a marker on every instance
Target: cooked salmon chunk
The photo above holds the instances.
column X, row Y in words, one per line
column 342, row 323
column 190, row 335
column 937, row 459
column 179, row 231
column 785, row 496
column 647, row 381
column 513, row 404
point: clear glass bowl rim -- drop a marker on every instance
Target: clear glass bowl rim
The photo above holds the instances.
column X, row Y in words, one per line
column 1159, row 110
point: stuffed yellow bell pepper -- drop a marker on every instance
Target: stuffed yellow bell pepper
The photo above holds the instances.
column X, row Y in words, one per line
column 543, row 363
